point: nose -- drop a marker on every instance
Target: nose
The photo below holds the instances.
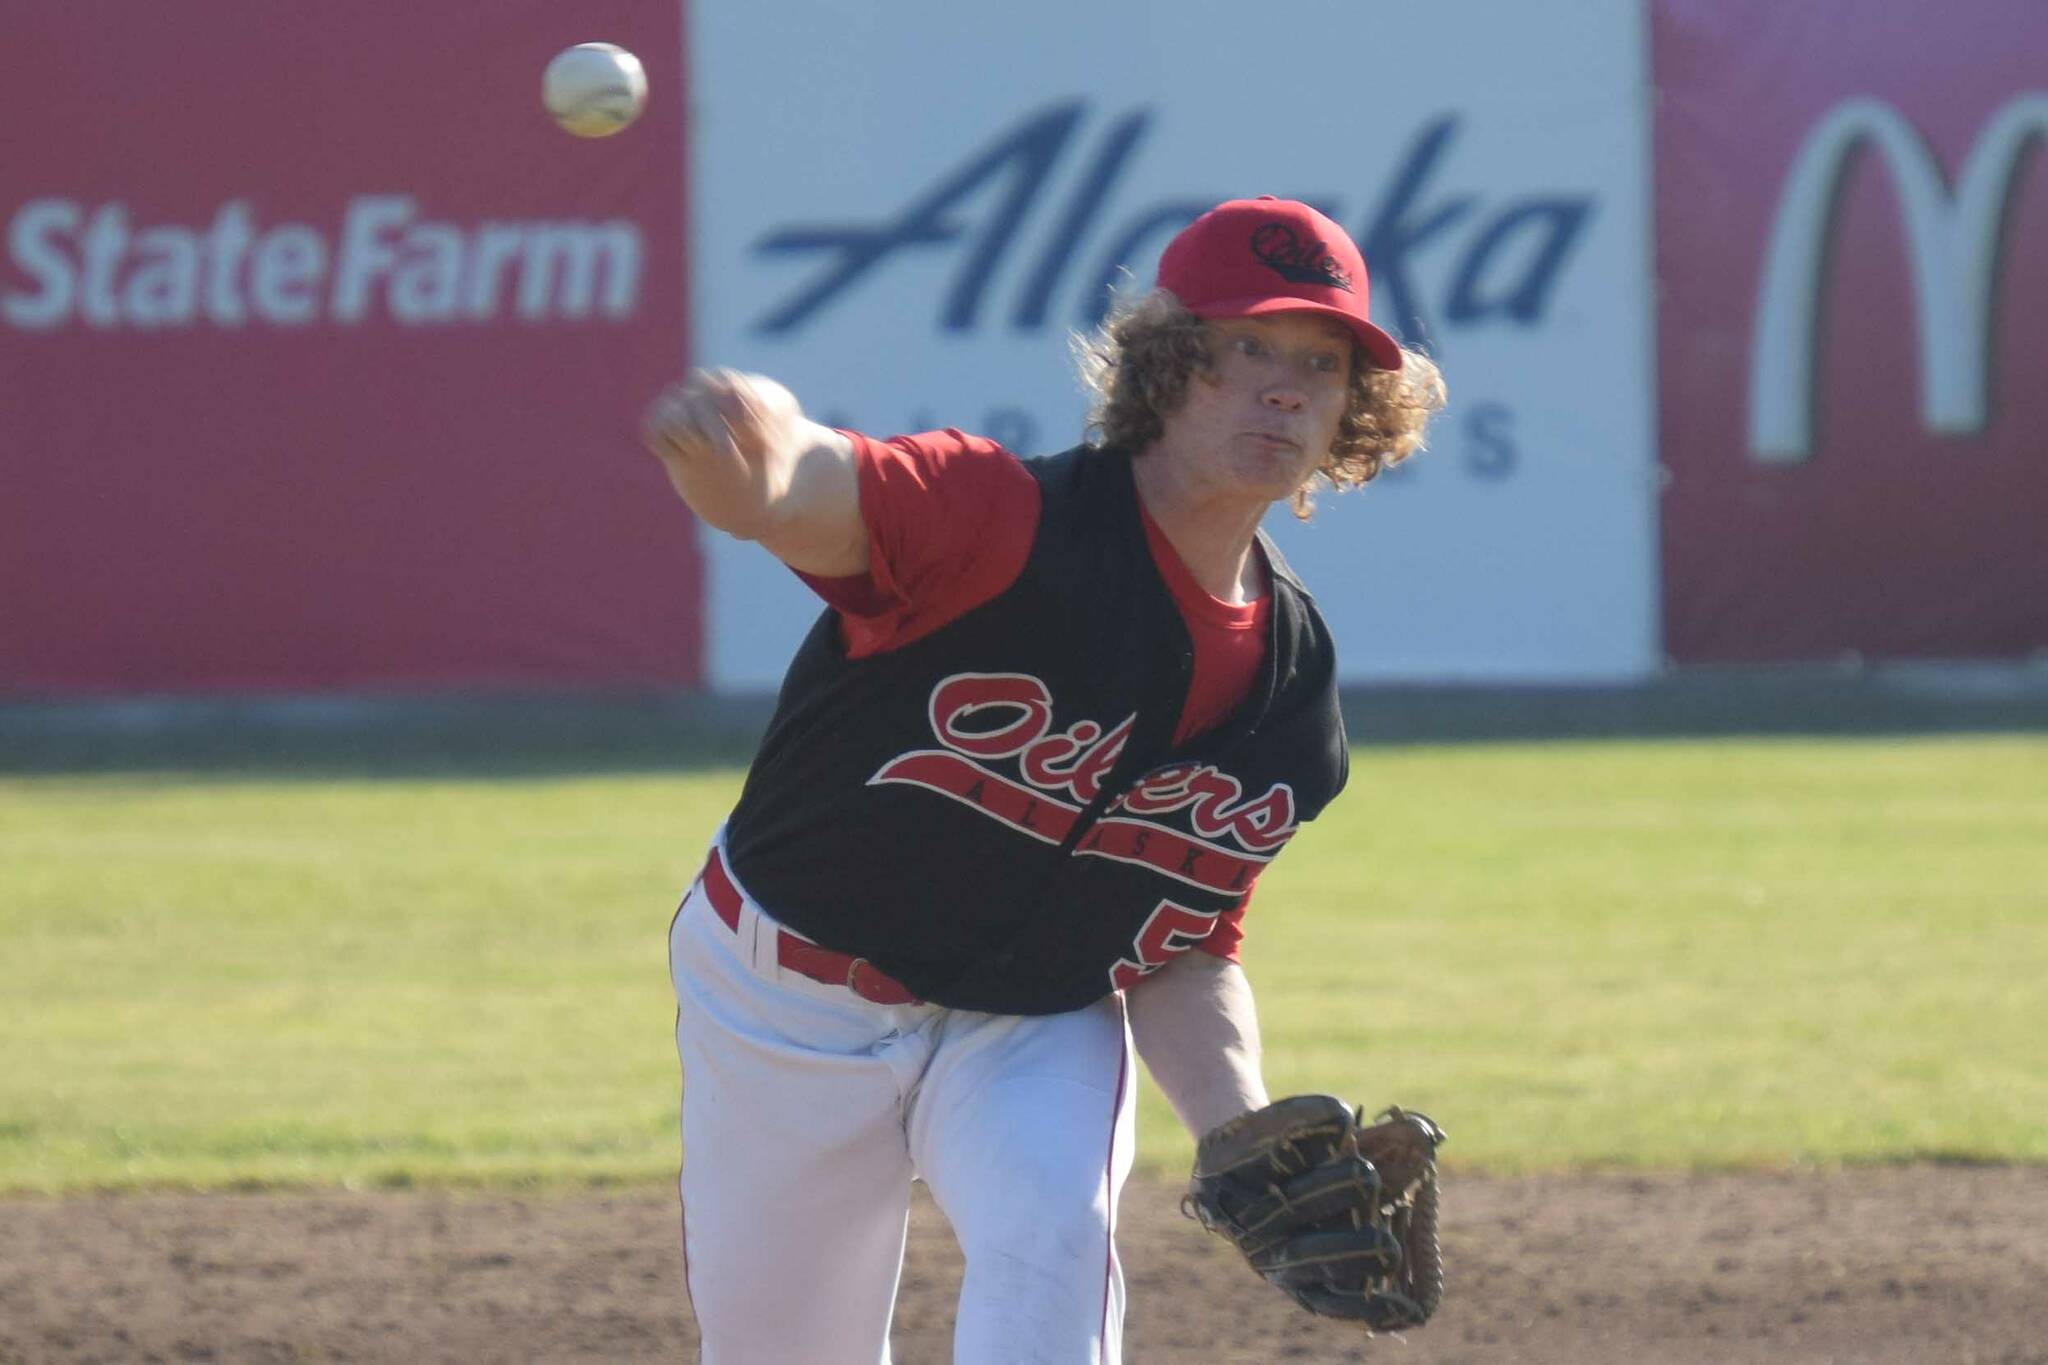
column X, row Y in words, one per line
column 1285, row 396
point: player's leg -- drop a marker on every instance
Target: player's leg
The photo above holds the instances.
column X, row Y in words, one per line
column 796, row 1177
column 1023, row 1130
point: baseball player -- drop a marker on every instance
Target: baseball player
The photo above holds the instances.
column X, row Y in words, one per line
column 1056, row 717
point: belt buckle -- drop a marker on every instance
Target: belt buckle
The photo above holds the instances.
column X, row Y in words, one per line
column 866, row 987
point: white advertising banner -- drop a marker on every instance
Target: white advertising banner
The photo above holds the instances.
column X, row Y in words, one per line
column 904, row 212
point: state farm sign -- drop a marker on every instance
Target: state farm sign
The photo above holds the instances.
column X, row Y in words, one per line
column 341, row 394
column 1851, row 337
column 97, row 266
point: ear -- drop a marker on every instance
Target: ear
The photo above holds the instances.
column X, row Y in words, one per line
column 1301, row 503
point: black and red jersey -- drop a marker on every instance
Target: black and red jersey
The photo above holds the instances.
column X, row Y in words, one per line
column 996, row 813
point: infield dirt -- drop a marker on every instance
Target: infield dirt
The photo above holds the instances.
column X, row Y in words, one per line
column 1937, row 1265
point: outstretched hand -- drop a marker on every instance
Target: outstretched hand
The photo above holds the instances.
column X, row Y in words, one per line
column 740, row 451
column 719, row 433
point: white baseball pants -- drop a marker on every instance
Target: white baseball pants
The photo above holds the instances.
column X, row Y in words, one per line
column 807, row 1111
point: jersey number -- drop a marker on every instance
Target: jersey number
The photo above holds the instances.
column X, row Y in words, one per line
column 1168, row 931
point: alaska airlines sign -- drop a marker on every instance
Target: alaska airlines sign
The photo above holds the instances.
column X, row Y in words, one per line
column 1955, row 244
column 1507, row 257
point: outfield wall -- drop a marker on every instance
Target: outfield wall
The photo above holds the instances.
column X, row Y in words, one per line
column 321, row 349
column 321, row 355
column 1502, row 205
column 1852, row 257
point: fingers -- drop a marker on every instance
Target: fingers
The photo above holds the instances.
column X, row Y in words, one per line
column 710, row 413
column 667, row 427
column 684, row 419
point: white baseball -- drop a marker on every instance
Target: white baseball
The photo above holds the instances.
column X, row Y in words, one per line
column 594, row 89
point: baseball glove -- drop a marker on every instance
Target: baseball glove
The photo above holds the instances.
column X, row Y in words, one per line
column 1341, row 1215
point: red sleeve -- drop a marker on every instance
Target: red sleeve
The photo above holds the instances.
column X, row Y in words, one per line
column 1228, row 931
column 950, row 521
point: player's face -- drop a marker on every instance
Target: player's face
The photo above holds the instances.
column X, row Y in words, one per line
column 1263, row 416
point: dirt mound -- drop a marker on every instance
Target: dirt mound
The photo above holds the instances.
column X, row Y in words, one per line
column 1929, row 1264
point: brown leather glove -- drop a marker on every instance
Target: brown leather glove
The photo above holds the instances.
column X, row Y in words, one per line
column 1340, row 1214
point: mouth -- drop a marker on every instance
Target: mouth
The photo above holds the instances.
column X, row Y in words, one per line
column 1273, row 440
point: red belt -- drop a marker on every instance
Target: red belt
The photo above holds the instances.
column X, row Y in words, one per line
column 857, row 974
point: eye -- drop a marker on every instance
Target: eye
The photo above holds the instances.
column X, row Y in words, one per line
column 1327, row 363
column 1247, row 345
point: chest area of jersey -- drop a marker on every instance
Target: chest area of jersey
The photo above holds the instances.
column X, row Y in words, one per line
column 1001, row 744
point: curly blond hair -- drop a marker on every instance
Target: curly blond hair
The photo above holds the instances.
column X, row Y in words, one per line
column 1136, row 367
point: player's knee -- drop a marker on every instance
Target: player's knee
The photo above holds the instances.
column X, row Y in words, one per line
column 1050, row 1229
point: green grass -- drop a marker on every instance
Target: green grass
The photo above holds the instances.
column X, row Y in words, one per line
column 1668, row 954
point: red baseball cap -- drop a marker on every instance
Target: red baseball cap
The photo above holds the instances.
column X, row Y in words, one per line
column 1250, row 257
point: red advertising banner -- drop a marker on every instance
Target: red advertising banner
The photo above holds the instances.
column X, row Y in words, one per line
column 1852, row 259
column 322, row 352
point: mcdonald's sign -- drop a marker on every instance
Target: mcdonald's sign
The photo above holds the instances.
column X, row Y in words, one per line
column 1852, row 261
column 1954, row 244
